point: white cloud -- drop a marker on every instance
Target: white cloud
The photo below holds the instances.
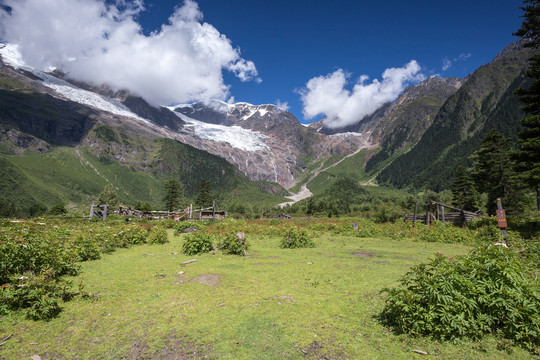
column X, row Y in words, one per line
column 282, row 105
column 447, row 63
column 327, row 94
column 100, row 42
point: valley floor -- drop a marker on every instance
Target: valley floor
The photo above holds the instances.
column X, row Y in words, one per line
column 318, row 303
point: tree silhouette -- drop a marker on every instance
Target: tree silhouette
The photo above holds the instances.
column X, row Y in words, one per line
column 528, row 155
column 204, row 193
column 174, row 192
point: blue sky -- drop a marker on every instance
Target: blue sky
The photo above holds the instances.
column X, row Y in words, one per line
column 290, row 43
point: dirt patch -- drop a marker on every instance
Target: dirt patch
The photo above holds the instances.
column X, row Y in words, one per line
column 207, row 279
column 138, row 350
column 361, row 254
column 180, row 278
column 314, row 351
column 317, row 350
column 273, row 257
column 174, row 349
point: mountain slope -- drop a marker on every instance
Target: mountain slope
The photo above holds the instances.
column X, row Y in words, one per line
column 54, row 149
column 485, row 100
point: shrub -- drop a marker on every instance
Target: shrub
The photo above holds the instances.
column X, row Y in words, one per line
column 230, row 245
column 489, row 233
column 58, row 209
column 133, row 236
column 158, row 235
column 296, row 238
column 38, row 294
column 196, row 243
column 485, row 291
column 86, row 248
column 437, row 232
column 388, row 212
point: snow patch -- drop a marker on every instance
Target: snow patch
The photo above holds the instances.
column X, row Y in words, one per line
column 251, row 113
column 235, row 136
column 346, row 134
column 11, row 55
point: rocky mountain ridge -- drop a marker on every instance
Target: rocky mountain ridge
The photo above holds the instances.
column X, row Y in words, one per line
column 263, row 141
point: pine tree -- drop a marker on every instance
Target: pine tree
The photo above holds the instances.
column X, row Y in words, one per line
column 493, row 173
column 174, row 192
column 528, row 155
column 204, row 194
column 464, row 193
column 108, row 196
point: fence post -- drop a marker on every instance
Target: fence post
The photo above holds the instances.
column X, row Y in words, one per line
column 415, row 211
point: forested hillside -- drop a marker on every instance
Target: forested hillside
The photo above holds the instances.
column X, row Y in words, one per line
column 485, row 101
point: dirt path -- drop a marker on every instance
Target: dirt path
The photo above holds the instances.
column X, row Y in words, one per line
column 304, row 192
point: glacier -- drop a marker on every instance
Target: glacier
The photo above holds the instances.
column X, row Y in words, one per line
column 235, row 136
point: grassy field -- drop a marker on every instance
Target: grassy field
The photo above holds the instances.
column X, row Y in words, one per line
column 317, row 303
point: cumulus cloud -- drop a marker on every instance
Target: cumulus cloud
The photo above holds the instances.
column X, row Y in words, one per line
column 101, row 42
column 328, row 94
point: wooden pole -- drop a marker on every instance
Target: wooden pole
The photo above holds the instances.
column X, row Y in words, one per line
column 427, row 214
column 105, row 212
column 213, row 211
column 442, row 213
column 415, row 211
column 91, row 211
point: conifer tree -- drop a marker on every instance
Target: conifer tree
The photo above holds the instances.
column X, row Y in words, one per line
column 108, row 196
column 464, row 193
column 528, row 155
column 174, row 192
column 493, row 173
column 204, row 193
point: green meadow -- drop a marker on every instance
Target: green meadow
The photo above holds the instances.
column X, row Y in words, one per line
column 141, row 302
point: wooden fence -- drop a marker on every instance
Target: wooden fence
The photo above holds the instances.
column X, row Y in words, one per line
column 458, row 216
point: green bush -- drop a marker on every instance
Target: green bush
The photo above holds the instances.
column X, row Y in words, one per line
column 38, row 294
column 388, row 212
column 296, row 238
column 197, row 243
column 133, row 236
column 158, row 235
column 86, row 248
column 451, row 234
column 231, row 246
column 483, row 292
column 489, row 233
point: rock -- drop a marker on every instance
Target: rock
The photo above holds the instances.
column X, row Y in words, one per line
column 240, row 238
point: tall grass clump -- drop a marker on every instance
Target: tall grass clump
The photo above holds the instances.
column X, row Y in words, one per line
column 484, row 292
column 296, row 238
column 158, row 235
column 197, row 243
column 232, row 244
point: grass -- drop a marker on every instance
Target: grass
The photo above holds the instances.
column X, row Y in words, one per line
column 61, row 175
column 277, row 303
